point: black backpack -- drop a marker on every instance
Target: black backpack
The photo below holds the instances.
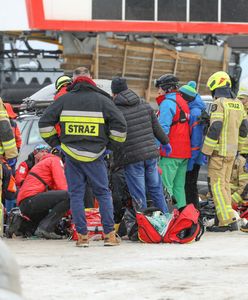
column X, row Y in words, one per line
column 18, row 224
column 204, row 119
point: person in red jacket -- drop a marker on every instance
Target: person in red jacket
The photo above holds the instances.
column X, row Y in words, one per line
column 16, row 131
column 174, row 117
column 43, row 196
column 25, row 166
column 61, row 85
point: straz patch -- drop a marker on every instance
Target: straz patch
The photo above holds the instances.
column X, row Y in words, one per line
column 234, row 106
column 214, row 107
column 82, row 129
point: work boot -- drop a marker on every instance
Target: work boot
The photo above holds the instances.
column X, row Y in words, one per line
column 244, row 228
column 111, row 239
column 47, row 235
column 230, row 227
column 83, row 240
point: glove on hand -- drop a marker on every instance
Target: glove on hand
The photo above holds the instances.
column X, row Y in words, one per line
column 11, row 161
column 167, row 149
column 205, row 159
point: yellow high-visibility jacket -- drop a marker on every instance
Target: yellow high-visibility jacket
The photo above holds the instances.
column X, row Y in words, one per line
column 245, row 146
column 8, row 147
column 239, row 180
column 228, row 128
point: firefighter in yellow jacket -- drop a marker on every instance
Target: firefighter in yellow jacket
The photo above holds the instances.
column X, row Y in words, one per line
column 226, row 135
column 243, row 97
column 239, row 181
column 8, row 150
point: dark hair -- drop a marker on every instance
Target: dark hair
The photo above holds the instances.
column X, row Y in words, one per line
column 81, row 71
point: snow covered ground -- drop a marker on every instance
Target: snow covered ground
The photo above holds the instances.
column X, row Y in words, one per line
column 214, row 268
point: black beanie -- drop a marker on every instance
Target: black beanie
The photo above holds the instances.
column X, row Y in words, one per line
column 118, row 85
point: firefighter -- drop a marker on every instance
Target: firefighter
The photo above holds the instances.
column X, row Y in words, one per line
column 8, row 149
column 225, row 136
column 239, row 181
column 16, row 130
column 61, row 85
column 243, row 97
column 90, row 123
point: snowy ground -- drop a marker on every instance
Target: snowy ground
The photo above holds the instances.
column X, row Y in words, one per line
column 214, row 268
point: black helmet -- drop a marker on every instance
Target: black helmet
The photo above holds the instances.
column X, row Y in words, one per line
column 167, row 82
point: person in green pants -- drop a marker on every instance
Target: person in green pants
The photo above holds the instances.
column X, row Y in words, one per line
column 173, row 116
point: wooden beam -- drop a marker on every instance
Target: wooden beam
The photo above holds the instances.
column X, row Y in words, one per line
column 199, row 76
column 124, row 61
column 96, row 65
column 175, row 66
column 225, row 62
column 148, row 91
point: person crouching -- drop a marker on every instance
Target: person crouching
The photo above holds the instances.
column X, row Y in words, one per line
column 43, row 196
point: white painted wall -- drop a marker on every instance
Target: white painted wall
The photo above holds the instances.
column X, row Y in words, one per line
column 13, row 15
column 67, row 10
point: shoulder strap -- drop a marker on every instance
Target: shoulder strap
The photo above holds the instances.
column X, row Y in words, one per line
column 39, row 178
column 181, row 114
column 180, row 107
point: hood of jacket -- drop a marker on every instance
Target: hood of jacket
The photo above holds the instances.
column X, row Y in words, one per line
column 197, row 103
column 127, row 98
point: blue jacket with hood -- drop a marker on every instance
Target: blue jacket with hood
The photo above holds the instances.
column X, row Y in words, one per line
column 196, row 106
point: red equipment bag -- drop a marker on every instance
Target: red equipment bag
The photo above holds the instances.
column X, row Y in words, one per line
column 94, row 224
column 146, row 231
column 184, row 226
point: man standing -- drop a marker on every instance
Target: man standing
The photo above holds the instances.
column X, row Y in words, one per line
column 139, row 154
column 225, row 136
column 90, row 123
column 174, row 119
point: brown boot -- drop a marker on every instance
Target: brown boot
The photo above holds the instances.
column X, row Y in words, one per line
column 111, row 239
column 83, row 240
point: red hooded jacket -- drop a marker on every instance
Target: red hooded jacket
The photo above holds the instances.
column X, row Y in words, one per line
column 51, row 170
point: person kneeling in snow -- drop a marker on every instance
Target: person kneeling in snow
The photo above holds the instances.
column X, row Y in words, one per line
column 43, row 196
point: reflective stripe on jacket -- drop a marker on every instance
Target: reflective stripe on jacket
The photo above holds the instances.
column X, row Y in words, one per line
column 228, row 128
column 89, row 122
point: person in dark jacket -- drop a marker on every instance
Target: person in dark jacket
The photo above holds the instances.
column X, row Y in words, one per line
column 140, row 153
column 196, row 106
column 90, row 123
column 43, row 196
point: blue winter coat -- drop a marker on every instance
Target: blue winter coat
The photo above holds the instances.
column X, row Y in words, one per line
column 197, row 129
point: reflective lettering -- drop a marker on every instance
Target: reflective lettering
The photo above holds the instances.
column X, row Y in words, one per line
column 82, row 129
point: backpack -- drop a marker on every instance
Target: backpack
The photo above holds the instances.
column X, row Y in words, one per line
column 178, row 227
column 152, row 225
column 204, row 119
column 94, row 225
column 18, row 224
column 8, row 184
column 184, row 226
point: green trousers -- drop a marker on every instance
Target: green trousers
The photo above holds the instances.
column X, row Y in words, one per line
column 173, row 177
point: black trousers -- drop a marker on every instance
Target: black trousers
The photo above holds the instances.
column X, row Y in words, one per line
column 191, row 190
column 46, row 209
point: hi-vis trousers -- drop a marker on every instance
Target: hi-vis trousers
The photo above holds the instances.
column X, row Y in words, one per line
column 219, row 171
